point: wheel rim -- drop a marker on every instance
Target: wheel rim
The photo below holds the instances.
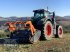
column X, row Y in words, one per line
column 48, row 29
column 60, row 31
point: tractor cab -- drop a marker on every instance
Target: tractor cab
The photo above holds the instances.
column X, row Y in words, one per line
column 38, row 13
column 42, row 13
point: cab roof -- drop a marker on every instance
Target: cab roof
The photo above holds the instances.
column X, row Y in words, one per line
column 41, row 10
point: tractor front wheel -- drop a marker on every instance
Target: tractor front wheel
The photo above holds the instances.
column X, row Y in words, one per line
column 59, row 31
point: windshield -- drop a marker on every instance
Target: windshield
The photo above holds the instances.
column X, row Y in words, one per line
column 39, row 15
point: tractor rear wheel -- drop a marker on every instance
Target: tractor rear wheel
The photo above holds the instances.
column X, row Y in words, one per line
column 59, row 31
column 47, row 30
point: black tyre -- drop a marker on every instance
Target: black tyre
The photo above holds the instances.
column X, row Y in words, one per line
column 59, row 31
column 47, row 30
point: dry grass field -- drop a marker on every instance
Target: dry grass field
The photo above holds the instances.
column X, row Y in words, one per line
column 54, row 45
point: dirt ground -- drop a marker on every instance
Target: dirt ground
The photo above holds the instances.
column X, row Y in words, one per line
column 54, row 45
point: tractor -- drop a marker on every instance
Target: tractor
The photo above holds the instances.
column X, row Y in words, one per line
column 42, row 26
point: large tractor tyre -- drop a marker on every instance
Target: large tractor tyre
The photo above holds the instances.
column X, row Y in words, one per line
column 36, row 37
column 47, row 31
column 59, row 31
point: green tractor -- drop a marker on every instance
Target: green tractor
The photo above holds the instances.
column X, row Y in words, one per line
column 45, row 21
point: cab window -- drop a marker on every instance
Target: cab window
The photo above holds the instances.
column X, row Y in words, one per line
column 39, row 15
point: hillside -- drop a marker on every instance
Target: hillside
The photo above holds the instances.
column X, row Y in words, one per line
column 64, row 21
column 68, row 17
